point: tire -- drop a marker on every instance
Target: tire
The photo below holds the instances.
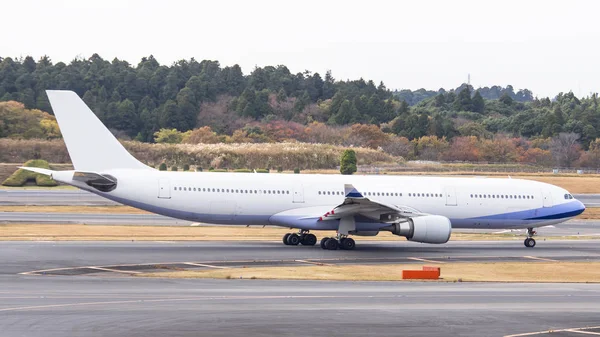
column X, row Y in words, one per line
column 529, row 243
column 323, row 240
column 285, row 237
column 309, row 240
column 293, row 240
column 332, row 244
column 347, row 244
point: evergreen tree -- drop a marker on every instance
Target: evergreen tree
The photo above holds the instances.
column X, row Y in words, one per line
column 478, row 102
column 348, row 162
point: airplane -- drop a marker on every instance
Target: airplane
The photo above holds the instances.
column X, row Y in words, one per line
column 421, row 209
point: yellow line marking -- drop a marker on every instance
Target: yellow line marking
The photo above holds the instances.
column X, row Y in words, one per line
column 64, row 305
column 315, row 263
column 115, row 270
column 561, row 330
column 540, row 258
column 424, row 260
column 204, row 265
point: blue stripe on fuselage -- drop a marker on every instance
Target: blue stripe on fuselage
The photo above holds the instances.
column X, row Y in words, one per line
column 561, row 211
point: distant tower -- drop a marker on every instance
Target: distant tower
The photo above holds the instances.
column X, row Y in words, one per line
column 469, row 79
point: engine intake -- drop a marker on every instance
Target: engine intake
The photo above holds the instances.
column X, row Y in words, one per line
column 426, row 229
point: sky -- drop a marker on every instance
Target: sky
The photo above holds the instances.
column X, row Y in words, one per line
column 545, row 46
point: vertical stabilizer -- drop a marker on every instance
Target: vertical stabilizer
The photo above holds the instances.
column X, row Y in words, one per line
column 91, row 146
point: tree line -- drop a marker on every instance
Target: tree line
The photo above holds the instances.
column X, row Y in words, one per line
column 139, row 101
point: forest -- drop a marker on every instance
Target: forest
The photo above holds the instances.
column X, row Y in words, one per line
column 203, row 102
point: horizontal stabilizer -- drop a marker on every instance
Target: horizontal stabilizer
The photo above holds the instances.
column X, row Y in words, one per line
column 37, row 170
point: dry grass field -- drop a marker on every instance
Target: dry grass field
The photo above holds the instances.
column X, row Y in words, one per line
column 450, row 272
column 74, row 209
column 81, row 232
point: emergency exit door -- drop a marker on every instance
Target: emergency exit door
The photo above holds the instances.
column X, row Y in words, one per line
column 450, row 195
column 164, row 189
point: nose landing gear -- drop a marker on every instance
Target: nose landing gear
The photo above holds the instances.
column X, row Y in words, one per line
column 530, row 241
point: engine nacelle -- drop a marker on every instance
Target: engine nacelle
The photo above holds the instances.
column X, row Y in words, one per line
column 426, row 229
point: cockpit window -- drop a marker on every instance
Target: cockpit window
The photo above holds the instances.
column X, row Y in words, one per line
column 568, row 196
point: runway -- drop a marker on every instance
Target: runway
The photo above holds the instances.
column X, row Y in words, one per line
column 38, row 197
column 103, row 304
column 90, row 219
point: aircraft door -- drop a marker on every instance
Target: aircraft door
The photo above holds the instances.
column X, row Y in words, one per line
column 547, row 198
column 450, row 195
column 298, row 193
column 164, row 189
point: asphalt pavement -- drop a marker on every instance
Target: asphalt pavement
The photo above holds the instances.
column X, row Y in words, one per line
column 102, row 304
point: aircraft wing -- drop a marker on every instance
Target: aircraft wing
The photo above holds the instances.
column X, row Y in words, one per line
column 355, row 203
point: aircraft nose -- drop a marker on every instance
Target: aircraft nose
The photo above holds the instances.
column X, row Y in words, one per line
column 579, row 207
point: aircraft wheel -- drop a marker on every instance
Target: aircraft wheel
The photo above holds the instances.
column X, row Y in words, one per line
column 293, row 239
column 347, row 244
column 285, row 237
column 323, row 240
column 529, row 242
column 332, row 244
column 309, row 240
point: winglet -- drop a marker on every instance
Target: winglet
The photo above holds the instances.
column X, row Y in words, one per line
column 351, row 192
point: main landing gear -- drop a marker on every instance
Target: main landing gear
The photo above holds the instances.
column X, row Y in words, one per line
column 530, row 241
column 303, row 237
column 344, row 243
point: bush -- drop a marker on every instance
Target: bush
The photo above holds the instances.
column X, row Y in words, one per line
column 262, row 171
column 198, row 169
column 186, row 167
column 174, row 168
column 348, row 162
column 297, row 170
column 162, row 167
column 21, row 176
column 279, row 169
column 243, row 170
column 218, row 170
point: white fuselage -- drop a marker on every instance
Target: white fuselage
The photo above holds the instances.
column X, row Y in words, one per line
column 293, row 200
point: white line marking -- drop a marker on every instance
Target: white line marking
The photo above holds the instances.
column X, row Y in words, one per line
column 204, row 265
column 424, row 260
column 115, row 270
column 561, row 330
column 315, row 263
column 584, row 332
column 540, row 258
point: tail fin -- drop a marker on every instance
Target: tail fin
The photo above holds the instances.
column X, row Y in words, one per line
column 91, row 146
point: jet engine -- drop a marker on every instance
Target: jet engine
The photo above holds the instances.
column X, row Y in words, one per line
column 426, row 229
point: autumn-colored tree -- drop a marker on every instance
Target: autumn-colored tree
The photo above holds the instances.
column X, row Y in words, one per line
column 430, row 147
column 203, row 135
column 500, row 149
column 463, row 149
column 591, row 158
column 239, row 136
column 367, row 136
column 169, row 136
column 536, row 156
column 565, row 149
column 399, row 146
